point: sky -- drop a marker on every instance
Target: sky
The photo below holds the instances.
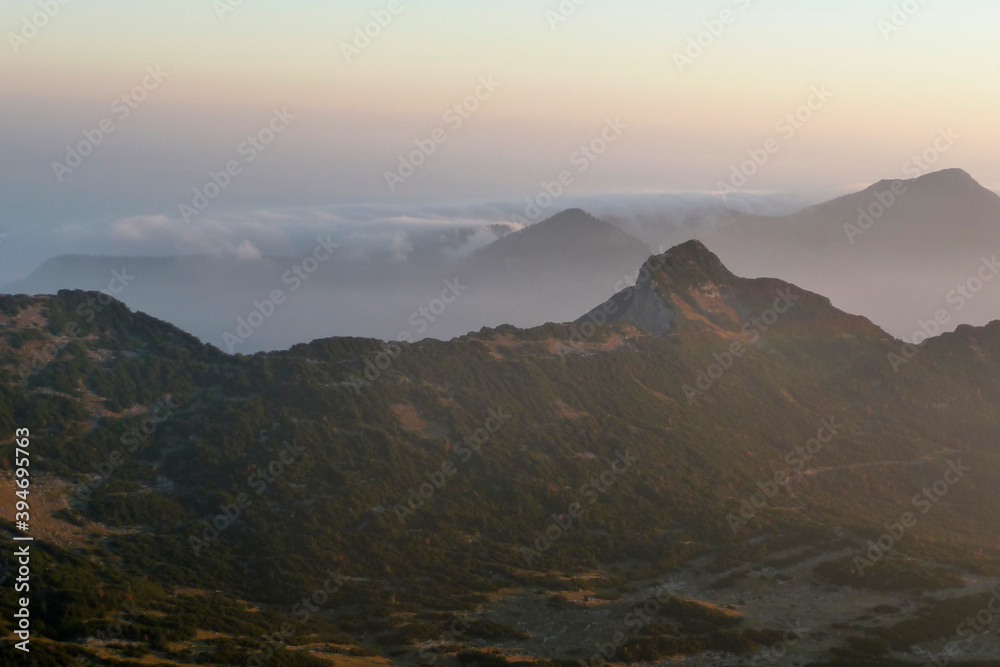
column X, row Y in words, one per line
column 558, row 73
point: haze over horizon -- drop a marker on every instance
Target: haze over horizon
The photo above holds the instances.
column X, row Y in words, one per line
column 557, row 76
column 250, row 130
column 895, row 252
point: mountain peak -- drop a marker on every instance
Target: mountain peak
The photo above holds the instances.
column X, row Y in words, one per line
column 690, row 263
column 953, row 175
column 938, row 182
column 954, row 185
column 659, row 301
column 956, row 182
column 570, row 220
column 572, row 213
column 572, row 236
column 689, row 290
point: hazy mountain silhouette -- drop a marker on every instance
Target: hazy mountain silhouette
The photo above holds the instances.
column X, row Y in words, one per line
column 571, row 239
column 893, row 252
column 550, row 271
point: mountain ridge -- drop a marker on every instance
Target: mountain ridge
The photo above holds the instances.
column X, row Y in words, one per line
column 948, row 182
column 457, row 458
column 855, row 249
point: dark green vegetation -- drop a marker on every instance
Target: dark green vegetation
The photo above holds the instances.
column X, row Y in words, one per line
column 320, row 469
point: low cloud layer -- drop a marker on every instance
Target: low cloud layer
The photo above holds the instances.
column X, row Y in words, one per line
column 388, row 261
column 369, row 230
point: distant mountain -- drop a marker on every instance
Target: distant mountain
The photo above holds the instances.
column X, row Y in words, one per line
column 571, row 239
column 552, row 270
column 204, row 294
column 919, row 218
column 893, row 252
column 901, row 252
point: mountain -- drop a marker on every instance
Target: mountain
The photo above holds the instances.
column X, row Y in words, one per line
column 900, row 252
column 571, row 239
column 554, row 269
column 764, row 475
column 689, row 290
column 551, row 271
column 914, row 218
column 897, row 252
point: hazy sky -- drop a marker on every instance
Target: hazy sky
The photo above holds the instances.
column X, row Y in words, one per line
column 559, row 83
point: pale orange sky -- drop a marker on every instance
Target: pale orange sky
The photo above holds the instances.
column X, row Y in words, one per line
column 687, row 129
